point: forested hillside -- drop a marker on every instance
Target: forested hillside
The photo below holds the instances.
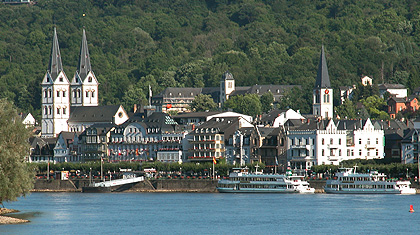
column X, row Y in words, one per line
column 134, row 43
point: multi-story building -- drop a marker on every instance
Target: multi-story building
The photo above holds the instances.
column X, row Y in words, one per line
column 330, row 142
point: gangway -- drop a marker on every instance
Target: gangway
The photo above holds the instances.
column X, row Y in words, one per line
column 128, row 180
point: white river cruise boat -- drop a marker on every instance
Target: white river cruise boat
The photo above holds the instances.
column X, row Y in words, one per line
column 347, row 181
column 241, row 181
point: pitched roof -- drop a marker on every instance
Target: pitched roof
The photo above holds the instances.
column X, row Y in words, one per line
column 390, row 86
column 93, row 113
column 55, row 66
column 322, row 77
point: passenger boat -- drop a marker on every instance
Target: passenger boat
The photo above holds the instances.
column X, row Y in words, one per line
column 241, row 181
column 347, row 181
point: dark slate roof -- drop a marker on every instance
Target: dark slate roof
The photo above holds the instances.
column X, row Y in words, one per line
column 93, row 113
column 160, row 120
column 175, row 92
column 214, row 92
column 275, row 89
column 390, row 86
column 322, row 77
column 55, row 66
column 266, row 131
column 221, row 123
column 273, row 114
column 41, row 142
column 240, row 90
column 84, row 66
column 195, row 114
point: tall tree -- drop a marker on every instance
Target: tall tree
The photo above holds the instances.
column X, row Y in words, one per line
column 203, row 103
column 267, row 100
column 16, row 179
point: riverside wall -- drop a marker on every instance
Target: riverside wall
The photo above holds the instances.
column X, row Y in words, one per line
column 153, row 185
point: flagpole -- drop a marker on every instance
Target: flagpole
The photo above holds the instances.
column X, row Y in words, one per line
column 213, row 168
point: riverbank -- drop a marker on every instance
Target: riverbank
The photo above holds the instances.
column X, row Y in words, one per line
column 8, row 219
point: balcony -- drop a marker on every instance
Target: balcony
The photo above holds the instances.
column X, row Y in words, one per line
column 201, row 141
column 202, row 149
column 333, row 146
column 301, row 146
column 301, row 157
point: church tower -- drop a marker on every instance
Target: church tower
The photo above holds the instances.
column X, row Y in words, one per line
column 227, row 86
column 323, row 93
column 84, row 85
column 55, row 95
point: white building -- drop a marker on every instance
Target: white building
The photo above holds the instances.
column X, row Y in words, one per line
column 330, row 142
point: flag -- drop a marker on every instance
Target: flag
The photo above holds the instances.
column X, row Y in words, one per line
column 214, row 160
column 119, row 151
column 150, row 91
column 137, row 152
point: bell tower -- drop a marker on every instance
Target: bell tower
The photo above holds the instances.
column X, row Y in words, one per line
column 55, row 95
column 227, row 86
column 322, row 92
column 84, row 85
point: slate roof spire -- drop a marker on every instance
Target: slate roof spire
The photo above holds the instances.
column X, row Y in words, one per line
column 84, row 66
column 55, row 66
column 322, row 77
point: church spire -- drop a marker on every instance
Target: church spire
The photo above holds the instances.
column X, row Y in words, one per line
column 322, row 77
column 84, row 66
column 55, row 66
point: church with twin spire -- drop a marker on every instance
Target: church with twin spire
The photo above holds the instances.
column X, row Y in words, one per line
column 64, row 100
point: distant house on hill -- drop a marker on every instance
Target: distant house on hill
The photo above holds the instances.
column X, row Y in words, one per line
column 179, row 98
column 397, row 90
column 396, row 105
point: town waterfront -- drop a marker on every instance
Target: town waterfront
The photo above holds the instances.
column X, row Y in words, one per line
column 214, row 213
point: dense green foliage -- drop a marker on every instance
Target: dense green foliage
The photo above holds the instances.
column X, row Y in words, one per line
column 202, row 103
column 16, row 177
column 138, row 43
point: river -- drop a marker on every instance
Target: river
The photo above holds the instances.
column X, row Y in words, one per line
column 214, row 213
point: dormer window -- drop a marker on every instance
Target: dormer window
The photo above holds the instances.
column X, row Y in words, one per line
column 90, row 79
column 60, row 79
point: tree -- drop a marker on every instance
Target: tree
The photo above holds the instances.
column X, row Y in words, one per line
column 267, row 100
column 203, row 103
column 248, row 104
column 346, row 110
column 16, row 178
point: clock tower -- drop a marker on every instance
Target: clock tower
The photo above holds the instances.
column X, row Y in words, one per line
column 323, row 93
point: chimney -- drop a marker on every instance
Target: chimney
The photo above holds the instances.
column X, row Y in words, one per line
column 308, row 121
column 135, row 108
column 389, row 123
column 406, row 122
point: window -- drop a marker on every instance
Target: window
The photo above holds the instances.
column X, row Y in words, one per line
column 87, row 93
column 339, row 141
column 64, row 93
column 360, row 141
column 49, row 110
column 64, row 111
column 58, row 110
column 49, row 93
column 322, row 152
column 45, row 93
column 90, row 79
column 368, row 141
column 58, row 93
column 322, row 141
column 61, row 79
column 331, row 141
column 74, row 93
column 377, row 141
column 45, row 110
column 377, row 152
column 339, row 152
column 360, row 152
column 93, row 94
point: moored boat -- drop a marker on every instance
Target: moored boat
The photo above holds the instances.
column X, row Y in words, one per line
column 347, row 181
column 241, row 181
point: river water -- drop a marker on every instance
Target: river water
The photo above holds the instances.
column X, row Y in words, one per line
column 214, row 213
